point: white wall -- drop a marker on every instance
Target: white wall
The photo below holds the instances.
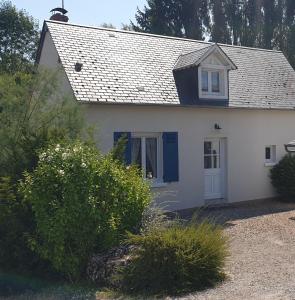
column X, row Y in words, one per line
column 247, row 133
column 49, row 60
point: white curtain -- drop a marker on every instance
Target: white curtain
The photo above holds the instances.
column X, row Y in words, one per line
column 151, row 157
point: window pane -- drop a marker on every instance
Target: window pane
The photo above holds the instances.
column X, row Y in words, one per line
column 267, row 153
column 207, row 147
column 207, row 162
column 136, row 151
column 215, row 160
column 151, row 158
column 205, row 81
column 215, row 82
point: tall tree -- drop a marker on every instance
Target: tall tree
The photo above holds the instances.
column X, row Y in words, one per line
column 194, row 15
column 220, row 29
column 18, row 39
column 182, row 18
column 159, row 17
column 269, row 23
column 289, row 30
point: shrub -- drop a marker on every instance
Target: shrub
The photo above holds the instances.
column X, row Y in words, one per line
column 176, row 259
column 283, row 177
column 83, row 203
column 28, row 121
column 13, row 224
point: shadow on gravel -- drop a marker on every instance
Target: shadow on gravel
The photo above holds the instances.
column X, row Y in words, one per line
column 15, row 287
column 224, row 214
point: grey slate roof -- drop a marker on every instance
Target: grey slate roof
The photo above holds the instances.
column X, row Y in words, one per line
column 188, row 59
column 126, row 67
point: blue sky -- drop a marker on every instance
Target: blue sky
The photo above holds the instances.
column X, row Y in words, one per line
column 86, row 12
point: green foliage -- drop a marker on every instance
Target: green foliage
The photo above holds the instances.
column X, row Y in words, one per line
column 176, row 259
column 15, row 224
column 29, row 120
column 83, row 203
column 19, row 36
column 283, row 177
column 108, row 25
column 182, row 18
column 118, row 152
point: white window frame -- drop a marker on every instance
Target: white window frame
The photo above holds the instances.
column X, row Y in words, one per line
column 155, row 182
column 223, row 76
column 272, row 160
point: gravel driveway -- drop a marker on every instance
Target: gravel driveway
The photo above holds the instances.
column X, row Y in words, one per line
column 262, row 247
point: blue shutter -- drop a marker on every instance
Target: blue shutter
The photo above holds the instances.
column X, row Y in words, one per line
column 170, row 157
column 117, row 136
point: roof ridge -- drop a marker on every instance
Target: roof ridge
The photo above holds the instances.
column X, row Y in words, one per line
column 161, row 36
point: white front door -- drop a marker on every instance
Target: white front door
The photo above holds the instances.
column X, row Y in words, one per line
column 213, row 171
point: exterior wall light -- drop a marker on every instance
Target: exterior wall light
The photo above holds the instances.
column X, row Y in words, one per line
column 290, row 147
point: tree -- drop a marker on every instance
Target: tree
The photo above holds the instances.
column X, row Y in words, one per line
column 234, row 11
column 269, row 23
column 29, row 120
column 220, row 29
column 108, row 25
column 18, row 39
column 159, row 17
column 182, row 18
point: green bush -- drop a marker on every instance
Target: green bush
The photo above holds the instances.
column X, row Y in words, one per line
column 14, row 220
column 176, row 259
column 83, row 203
column 28, row 121
column 283, row 177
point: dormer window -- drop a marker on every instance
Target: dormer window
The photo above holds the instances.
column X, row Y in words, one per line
column 213, row 82
column 210, row 65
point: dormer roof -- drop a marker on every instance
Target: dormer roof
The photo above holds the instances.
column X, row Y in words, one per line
column 196, row 57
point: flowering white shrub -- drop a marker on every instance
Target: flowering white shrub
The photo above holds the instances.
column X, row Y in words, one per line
column 83, row 202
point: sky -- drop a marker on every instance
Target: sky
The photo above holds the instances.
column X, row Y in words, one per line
column 85, row 12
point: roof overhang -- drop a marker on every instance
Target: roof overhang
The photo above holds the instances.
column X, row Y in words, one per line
column 41, row 42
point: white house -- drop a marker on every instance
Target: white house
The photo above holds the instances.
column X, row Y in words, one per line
column 206, row 122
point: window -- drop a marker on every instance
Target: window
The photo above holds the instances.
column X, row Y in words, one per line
column 213, row 82
column 146, row 152
column 205, row 81
column 270, row 155
column 211, row 154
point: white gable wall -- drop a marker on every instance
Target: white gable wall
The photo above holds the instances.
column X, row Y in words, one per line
column 247, row 133
column 49, row 60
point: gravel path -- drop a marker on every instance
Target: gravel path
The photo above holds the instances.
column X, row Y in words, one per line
column 262, row 246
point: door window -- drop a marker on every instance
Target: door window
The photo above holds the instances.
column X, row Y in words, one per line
column 212, row 154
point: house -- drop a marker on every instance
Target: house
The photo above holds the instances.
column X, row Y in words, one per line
column 205, row 122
